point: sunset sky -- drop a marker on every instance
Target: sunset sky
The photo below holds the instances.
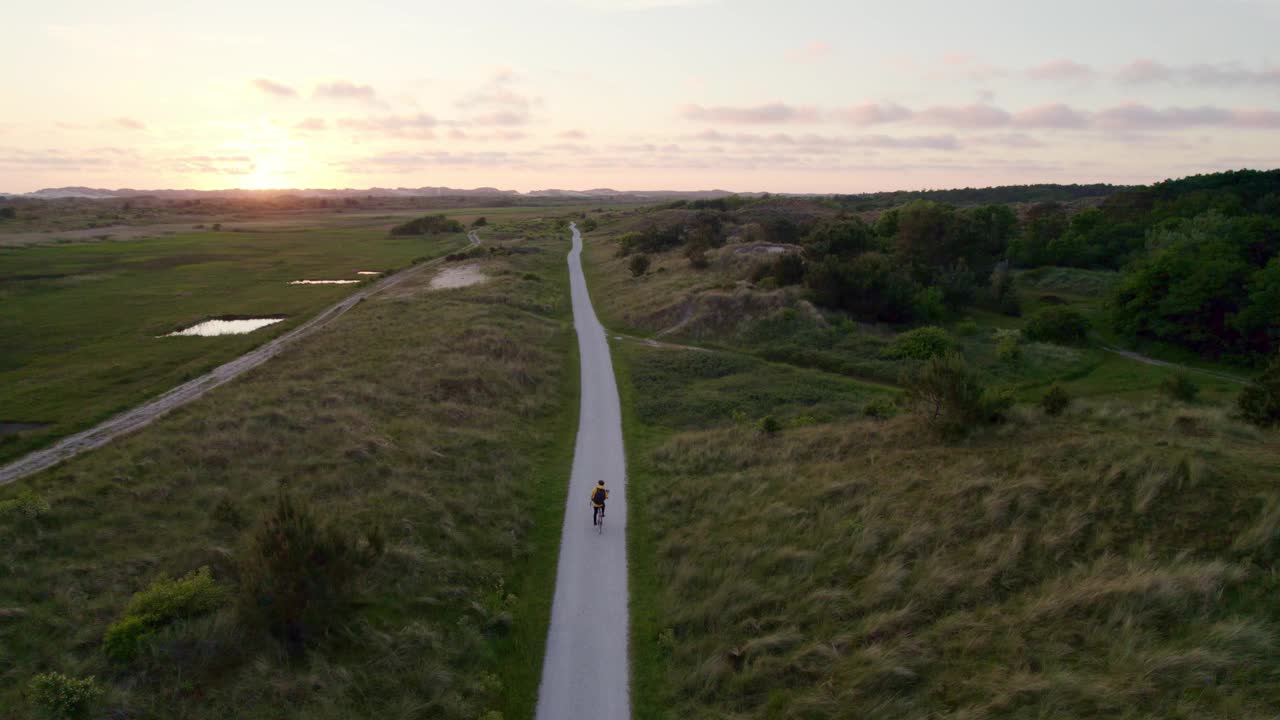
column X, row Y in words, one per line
column 800, row 96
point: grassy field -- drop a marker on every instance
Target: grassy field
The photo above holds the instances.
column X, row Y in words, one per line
column 445, row 418
column 81, row 321
column 1115, row 561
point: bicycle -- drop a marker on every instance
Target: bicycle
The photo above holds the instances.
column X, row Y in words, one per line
column 598, row 518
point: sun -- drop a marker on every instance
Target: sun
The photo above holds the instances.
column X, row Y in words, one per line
column 268, row 173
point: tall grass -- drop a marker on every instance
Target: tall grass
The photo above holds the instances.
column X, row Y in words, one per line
column 440, row 417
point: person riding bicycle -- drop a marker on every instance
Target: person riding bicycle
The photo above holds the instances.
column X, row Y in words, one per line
column 599, row 494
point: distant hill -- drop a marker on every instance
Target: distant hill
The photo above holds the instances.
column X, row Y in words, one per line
column 102, row 193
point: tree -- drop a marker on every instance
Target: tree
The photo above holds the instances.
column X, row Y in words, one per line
column 951, row 396
column 479, row 222
column 1259, row 402
column 848, row 237
column 639, row 265
column 8, row 213
column 1060, row 325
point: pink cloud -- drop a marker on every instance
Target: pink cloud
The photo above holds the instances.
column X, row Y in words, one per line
column 273, row 88
column 125, row 123
column 964, row 116
column 871, row 113
column 774, row 113
column 419, row 125
column 815, row 50
column 1055, row 115
column 343, row 90
column 311, row 124
column 1144, row 71
column 572, row 135
column 1066, row 70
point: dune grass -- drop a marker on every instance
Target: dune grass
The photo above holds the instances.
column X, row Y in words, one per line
column 445, row 418
column 1117, row 561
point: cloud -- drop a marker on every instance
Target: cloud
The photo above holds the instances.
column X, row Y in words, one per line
column 919, row 142
column 274, row 88
column 810, row 52
column 124, row 123
column 822, row 144
column 1013, row 140
column 497, row 102
column 343, row 90
column 506, row 118
column 1054, row 115
column 964, row 116
column 1148, row 72
column 51, row 159
column 418, row 126
column 500, row 135
column 402, row 162
column 1062, row 70
column 311, row 124
column 1133, row 116
column 213, row 164
column 871, row 113
column 572, row 135
column 774, row 113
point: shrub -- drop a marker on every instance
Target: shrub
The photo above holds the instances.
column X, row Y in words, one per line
column 1259, row 402
column 227, row 512
column 28, row 505
column 769, row 425
column 1180, row 387
column 479, row 222
column 1009, row 349
column 431, row 224
column 1055, row 401
column 588, row 225
column 881, row 408
column 967, row 327
column 920, row 344
column 951, row 395
column 639, row 265
column 1060, row 325
column 54, row 695
column 163, row 602
column 298, row 575
column 697, row 258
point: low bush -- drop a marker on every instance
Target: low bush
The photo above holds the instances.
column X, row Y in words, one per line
column 769, row 425
column 952, row 397
column 1259, row 402
column 967, row 327
column 1056, row 401
column 58, row 697
column 428, row 225
column 880, row 408
column 1058, row 324
column 27, row 505
column 165, row 601
column 1180, row 387
column 639, row 265
column 1009, row 349
column 299, row 574
column 920, row 344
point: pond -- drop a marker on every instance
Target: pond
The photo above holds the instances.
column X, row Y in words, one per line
column 324, row 282
column 210, row 328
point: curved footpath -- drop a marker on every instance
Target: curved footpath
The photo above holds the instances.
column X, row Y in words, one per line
column 145, row 414
column 585, row 673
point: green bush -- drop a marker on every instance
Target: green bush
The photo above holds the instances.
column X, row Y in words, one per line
column 57, row 696
column 1180, row 387
column 163, row 602
column 951, row 396
column 1060, row 325
column 920, row 344
column 431, row 224
column 967, row 327
column 299, row 574
column 1259, row 402
column 639, row 265
column 1055, row 401
column 880, row 408
column 1009, row 349
column 769, row 425
column 27, row 505
column 479, row 222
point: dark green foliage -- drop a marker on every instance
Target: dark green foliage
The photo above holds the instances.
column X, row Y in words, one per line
column 846, row 236
column 479, row 222
column 786, row 269
column 1057, row 324
column 1055, row 401
column 639, row 265
column 58, row 697
column 769, row 425
column 1259, row 402
column 880, row 408
column 1045, row 223
column 697, row 257
column 428, row 225
column 28, row 505
column 952, row 397
column 1180, row 387
column 588, row 225
column 298, row 573
column 8, row 213
column 227, row 512
column 870, row 287
column 921, row 344
column 165, row 601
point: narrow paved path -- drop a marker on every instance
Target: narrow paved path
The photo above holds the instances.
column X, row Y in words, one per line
column 1138, row 357
column 146, row 413
column 585, row 674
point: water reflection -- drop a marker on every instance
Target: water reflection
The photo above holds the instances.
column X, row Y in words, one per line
column 209, row 328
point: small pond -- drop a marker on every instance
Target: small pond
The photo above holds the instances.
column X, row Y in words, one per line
column 209, row 328
column 368, row 272
column 324, row 282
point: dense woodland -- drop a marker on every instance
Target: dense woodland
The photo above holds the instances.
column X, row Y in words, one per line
column 1199, row 256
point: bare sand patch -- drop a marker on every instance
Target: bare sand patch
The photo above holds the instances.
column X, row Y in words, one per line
column 456, row 277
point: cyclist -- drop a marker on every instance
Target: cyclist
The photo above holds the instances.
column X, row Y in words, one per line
column 599, row 494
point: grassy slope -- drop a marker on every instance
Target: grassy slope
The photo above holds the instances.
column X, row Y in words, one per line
column 81, row 320
column 1117, row 561
column 445, row 417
